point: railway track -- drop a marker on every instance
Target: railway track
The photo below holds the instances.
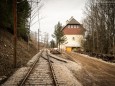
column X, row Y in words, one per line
column 41, row 72
column 58, row 59
column 44, row 69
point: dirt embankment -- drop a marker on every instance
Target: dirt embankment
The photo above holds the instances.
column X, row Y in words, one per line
column 6, row 53
column 94, row 72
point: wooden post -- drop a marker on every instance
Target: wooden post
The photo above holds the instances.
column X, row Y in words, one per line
column 29, row 25
column 15, row 29
column 38, row 41
column 113, row 45
column 47, row 39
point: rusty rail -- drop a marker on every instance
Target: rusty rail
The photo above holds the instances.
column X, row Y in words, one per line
column 55, row 81
column 22, row 82
column 58, row 59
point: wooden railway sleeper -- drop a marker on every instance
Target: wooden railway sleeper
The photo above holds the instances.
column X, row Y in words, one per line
column 22, row 82
column 53, row 73
column 58, row 59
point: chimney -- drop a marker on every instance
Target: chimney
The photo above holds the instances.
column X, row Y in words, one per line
column 67, row 22
column 71, row 18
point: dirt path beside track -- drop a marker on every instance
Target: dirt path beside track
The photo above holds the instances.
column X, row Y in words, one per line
column 94, row 72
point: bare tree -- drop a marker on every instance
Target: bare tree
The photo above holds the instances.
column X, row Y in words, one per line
column 100, row 25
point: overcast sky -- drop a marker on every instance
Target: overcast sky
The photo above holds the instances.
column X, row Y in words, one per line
column 58, row 10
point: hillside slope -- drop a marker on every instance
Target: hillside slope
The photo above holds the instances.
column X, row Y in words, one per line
column 6, row 53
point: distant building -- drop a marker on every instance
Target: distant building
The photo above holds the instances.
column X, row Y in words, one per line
column 74, row 33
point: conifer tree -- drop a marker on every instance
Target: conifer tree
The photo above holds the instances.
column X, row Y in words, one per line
column 59, row 35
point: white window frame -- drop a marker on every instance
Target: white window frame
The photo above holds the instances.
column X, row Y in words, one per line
column 74, row 26
column 71, row 26
column 68, row 26
column 77, row 26
column 73, row 38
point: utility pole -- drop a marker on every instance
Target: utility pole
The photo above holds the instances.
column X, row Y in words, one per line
column 15, row 29
column 38, row 41
column 39, row 26
column 29, row 24
column 35, row 38
column 43, row 40
column 113, row 45
column 47, row 39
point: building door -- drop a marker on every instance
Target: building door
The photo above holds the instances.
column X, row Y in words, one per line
column 68, row 49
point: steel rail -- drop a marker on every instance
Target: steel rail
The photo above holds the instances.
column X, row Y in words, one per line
column 55, row 82
column 58, row 59
column 28, row 73
column 46, row 59
column 52, row 71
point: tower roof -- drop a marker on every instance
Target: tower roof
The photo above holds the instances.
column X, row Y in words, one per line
column 76, row 30
column 72, row 21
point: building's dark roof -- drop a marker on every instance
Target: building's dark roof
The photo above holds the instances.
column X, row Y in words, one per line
column 72, row 21
column 72, row 31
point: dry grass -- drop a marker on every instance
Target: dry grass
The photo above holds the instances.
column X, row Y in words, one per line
column 6, row 53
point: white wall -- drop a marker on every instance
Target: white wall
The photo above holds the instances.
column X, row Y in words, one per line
column 78, row 38
column 69, row 40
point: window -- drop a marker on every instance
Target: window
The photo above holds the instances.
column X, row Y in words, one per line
column 68, row 26
column 73, row 38
column 74, row 26
column 71, row 26
column 77, row 26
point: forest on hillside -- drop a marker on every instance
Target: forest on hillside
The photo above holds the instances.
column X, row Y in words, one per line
column 23, row 52
column 23, row 13
column 100, row 25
